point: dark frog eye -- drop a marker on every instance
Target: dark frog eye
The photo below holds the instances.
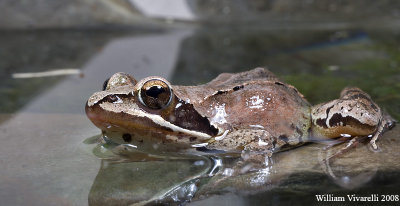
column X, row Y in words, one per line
column 155, row 94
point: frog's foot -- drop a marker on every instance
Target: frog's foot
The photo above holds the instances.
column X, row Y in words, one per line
column 325, row 155
column 259, row 151
column 387, row 123
column 350, row 144
column 254, row 157
column 326, row 160
column 249, row 162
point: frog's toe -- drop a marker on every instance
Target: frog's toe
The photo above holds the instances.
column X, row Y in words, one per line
column 374, row 147
column 375, row 137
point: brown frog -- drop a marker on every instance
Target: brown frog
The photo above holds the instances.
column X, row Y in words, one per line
column 249, row 111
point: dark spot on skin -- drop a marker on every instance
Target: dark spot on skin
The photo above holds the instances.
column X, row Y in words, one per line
column 238, row 87
column 279, row 83
column 221, row 92
column 192, row 139
column 329, row 109
column 321, row 122
column 341, row 108
column 127, row 137
column 112, row 98
column 338, row 118
column 362, row 114
column 284, row 138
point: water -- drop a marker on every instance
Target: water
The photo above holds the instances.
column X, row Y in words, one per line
column 46, row 160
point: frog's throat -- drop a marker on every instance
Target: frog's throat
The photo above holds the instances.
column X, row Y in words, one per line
column 163, row 123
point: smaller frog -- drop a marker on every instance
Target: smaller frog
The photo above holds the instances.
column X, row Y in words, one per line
column 353, row 114
column 248, row 111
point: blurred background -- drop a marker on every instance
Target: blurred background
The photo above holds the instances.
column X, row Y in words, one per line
column 55, row 54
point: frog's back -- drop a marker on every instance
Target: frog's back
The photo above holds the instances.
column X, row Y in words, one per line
column 224, row 82
column 256, row 100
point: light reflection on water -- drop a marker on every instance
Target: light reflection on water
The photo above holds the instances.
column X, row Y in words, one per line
column 220, row 175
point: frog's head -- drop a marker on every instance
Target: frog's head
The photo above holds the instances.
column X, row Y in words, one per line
column 130, row 111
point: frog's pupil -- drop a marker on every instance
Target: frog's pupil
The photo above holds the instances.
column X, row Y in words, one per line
column 154, row 91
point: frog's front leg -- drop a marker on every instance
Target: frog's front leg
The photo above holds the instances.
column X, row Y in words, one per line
column 353, row 114
column 254, row 145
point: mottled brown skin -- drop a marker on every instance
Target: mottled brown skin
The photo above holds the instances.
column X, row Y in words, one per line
column 283, row 115
column 353, row 114
column 252, row 111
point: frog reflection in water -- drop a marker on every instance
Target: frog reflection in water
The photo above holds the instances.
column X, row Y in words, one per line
column 250, row 111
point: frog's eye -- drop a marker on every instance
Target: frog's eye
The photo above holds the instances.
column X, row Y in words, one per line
column 155, row 94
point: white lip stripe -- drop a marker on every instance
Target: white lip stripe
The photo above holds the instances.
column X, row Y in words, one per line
column 160, row 121
column 200, row 145
column 218, row 138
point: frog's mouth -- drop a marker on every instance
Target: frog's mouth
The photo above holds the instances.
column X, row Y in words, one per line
column 142, row 124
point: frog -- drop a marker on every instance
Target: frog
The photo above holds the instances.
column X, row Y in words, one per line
column 252, row 111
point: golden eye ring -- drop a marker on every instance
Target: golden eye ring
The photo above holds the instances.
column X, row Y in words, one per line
column 155, row 94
